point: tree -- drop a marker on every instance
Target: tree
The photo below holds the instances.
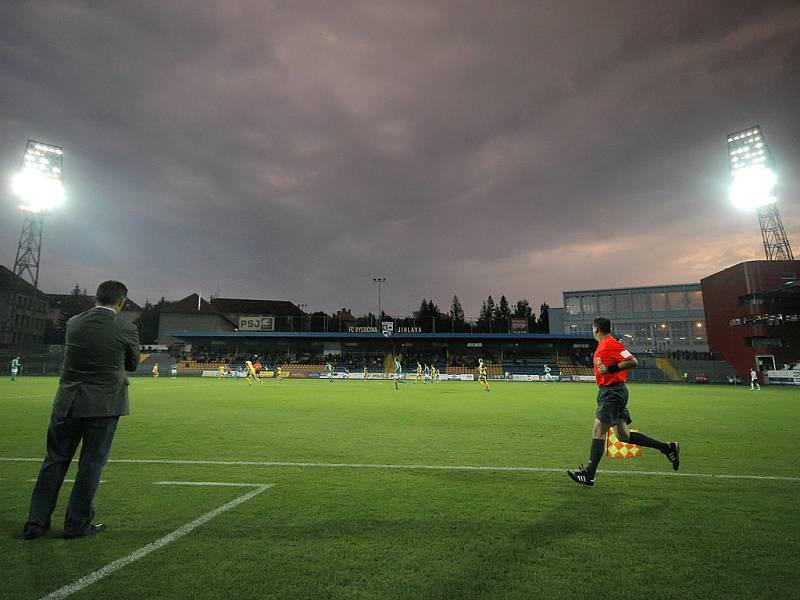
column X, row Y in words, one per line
column 74, row 304
column 422, row 311
column 544, row 318
column 148, row 322
column 502, row 315
column 456, row 311
column 523, row 309
column 487, row 313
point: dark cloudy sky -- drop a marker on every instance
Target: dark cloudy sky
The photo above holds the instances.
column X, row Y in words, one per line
column 292, row 150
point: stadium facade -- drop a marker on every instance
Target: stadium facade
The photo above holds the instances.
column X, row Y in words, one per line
column 23, row 311
column 662, row 318
column 753, row 314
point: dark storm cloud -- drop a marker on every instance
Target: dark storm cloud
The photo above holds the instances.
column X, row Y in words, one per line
column 293, row 150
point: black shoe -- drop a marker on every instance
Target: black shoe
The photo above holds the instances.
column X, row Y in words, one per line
column 674, row 455
column 582, row 476
column 31, row 532
column 92, row 529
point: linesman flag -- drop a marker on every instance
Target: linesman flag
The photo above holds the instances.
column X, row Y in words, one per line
column 617, row 449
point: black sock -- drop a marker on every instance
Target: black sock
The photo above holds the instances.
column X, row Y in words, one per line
column 595, row 454
column 641, row 439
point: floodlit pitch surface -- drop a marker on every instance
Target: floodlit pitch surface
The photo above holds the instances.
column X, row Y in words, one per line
column 362, row 531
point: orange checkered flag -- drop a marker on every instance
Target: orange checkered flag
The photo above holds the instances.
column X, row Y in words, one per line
column 617, row 449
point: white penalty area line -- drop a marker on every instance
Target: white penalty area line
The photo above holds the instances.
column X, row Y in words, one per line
column 110, row 568
column 321, row 465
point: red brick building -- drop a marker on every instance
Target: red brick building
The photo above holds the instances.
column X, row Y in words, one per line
column 753, row 314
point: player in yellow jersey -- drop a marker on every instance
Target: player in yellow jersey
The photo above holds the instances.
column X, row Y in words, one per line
column 251, row 373
column 419, row 374
column 155, row 370
column 279, row 373
column 482, row 378
column 434, row 374
column 222, row 371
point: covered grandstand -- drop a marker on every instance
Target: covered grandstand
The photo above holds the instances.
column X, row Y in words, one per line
column 302, row 353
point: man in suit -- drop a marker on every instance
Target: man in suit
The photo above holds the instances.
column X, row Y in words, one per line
column 92, row 395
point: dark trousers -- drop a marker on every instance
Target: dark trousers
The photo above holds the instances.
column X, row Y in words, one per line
column 63, row 437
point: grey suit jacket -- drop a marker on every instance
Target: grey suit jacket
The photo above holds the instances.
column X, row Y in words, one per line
column 100, row 347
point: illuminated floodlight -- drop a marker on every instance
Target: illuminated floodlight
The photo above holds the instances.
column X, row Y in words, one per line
column 39, row 183
column 751, row 165
column 753, row 187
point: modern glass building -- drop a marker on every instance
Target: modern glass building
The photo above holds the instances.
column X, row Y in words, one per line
column 661, row 318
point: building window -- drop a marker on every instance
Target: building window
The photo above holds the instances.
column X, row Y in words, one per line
column 658, row 301
column 622, row 304
column 640, row 303
column 573, row 305
column 677, row 300
column 606, row 304
column 589, row 304
column 680, row 332
column 765, row 342
column 695, row 298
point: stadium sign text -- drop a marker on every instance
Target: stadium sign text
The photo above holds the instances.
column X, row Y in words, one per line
column 409, row 330
column 256, row 323
column 353, row 329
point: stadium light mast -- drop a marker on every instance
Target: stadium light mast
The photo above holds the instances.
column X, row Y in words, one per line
column 753, row 186
column 379, row 281
column 39, row 187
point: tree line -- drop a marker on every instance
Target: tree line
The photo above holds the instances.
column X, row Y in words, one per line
column 493, row 316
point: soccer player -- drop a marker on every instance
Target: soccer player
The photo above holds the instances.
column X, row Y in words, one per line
column 14, row 368
column 418, row 377
column 173, row 370
column 482, row 377
column 329, row 369
column 365, row 371
column 427, row 374
column 252, row 375
column 279, row 373
column 611, row 364
column 434, row 374
column 222, row 371
column 398, row 373
column 507, row 376
column 547, row 377
column 257, row 366
column 155, row 371
column 754, row 385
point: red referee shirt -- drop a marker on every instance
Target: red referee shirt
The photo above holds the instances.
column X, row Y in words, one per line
column 610, row 352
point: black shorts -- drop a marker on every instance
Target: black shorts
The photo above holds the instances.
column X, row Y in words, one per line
column 612, row 404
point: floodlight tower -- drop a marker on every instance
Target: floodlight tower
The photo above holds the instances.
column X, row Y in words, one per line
column 754, row 179
column 39, row 186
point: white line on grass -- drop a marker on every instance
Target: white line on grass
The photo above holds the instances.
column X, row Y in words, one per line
column 110, row 568
column 34, row 479
column 255, row 463
column 211, row 483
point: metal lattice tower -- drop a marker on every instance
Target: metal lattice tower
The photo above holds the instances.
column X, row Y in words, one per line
column 39, row 187
column 752, row 165
column 29, row 249
column 776, row 244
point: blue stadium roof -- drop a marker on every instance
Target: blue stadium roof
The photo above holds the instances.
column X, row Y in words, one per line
column 377, row 336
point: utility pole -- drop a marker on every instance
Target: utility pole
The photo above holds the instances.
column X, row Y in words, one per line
column 379, row 281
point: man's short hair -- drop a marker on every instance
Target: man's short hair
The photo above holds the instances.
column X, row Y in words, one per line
column 603, row 325
column 110, row 293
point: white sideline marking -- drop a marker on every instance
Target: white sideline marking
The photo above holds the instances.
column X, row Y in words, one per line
column 258, row 463
column 110, row 568
column 212, row 483
column 34, row 480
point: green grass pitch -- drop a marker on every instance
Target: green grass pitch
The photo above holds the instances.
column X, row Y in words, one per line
column 368, row 532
